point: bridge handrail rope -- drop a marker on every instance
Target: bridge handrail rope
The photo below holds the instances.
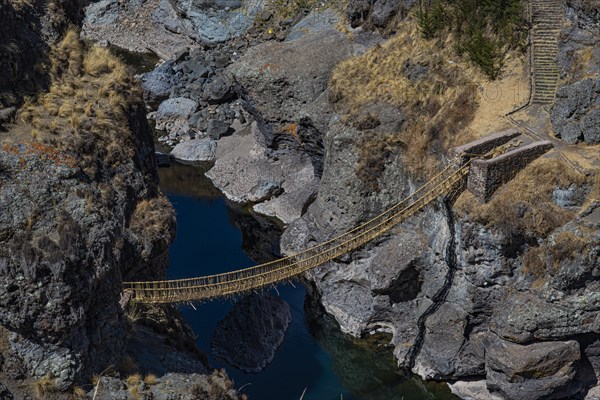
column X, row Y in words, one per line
column 287, row 267
column 391, row 209
column 402, row 212
column 353, row 238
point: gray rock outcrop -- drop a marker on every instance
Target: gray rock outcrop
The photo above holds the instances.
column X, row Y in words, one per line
column 552, row 365
column 378, row 12
column 440, row 285
column 576, row 113
column 197, row 150
column 218, row 20
column 252, row 331
column 214, row 386
column 294, row 175
column 5, row 394
column 67, row 243
column 139, row 26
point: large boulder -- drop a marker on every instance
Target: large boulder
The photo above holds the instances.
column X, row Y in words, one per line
column 158, row 84
column 377, row 12
column 537, row 371
column 284, row 86
column 196, row 150
column 293, row 175
column 576, row 113
column 216, row 21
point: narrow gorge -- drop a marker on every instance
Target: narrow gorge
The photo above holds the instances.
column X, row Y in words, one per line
column 149, row 141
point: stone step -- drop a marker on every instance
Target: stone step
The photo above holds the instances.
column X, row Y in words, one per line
column 546, row 71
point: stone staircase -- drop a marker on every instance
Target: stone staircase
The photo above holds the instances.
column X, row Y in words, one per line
column 547, row 18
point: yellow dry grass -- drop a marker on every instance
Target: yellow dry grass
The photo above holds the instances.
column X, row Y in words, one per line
column 499, row 97
column 134, row 380
column 151, row 380
column 567, row 245
column 44, row 387
column 438, row 106
column 79, row 393
column 85, row 111
column 153, row 220
column 525, row 204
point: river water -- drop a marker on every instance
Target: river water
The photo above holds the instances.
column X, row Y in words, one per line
column 315, row 358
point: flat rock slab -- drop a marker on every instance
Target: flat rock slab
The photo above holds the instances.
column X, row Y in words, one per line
column 197, row 150
column 249, row 335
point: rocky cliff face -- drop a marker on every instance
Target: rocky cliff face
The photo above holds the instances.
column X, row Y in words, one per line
column 27, row 29
column 462, row 298
column 76, row 221
column 67, row 243
column 509, row 299
column 576, row 111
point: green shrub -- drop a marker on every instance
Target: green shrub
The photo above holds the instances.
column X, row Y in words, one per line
column 485, row 30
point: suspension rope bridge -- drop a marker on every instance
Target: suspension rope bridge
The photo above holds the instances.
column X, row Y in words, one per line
column 248, row 279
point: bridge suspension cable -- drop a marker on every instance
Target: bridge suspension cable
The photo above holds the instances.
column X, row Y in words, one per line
column 247, row 279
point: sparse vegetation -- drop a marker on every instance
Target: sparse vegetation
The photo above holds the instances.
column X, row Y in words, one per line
column 567, row 245
column 373, row 153
column 4, row 345
column 435, row 92
column 79, row 393
column 134, row 380
column 484, row 30
column 534, row 261
column 153, row 219
column 44, row 387
column 86, row 108
column 151, row 380
column 524, row 206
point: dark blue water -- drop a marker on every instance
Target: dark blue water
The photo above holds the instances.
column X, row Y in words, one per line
column 314, row 356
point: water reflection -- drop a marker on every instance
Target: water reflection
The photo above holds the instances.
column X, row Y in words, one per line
column 187, row 180
column 366, row 368
column 213, row 237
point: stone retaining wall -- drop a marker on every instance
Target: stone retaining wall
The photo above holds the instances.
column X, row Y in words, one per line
column 486, row 176
column 485, row 144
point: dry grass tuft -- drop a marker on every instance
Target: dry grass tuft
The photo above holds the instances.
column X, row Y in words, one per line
column 567, row 245
column 434, row 89
column 595, row 188
column 79, row 393
column 4, row 344
column 525, row 205
column 149, row 220
column 85, row 110
column 99, row 61
column 134, row 380
column 44, row 387
column 151, row 380
column 534, row 261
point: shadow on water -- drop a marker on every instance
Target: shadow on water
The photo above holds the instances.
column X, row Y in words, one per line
column 140, row 62
column 214, row 236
